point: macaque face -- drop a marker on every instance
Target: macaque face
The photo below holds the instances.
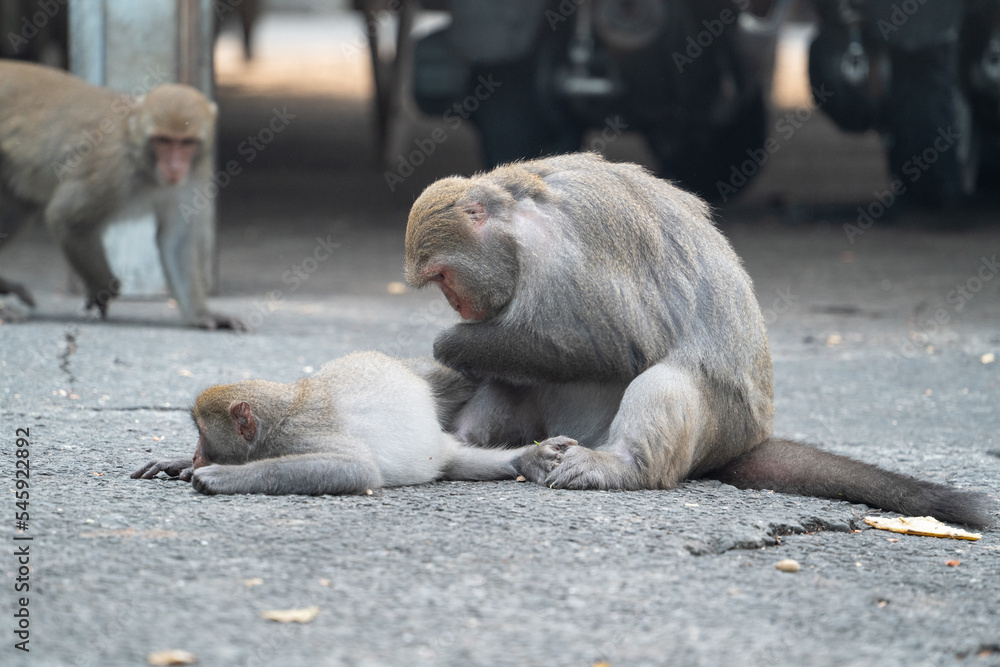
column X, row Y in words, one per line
column 174, row 156
column 452, row 290
column 200, row 460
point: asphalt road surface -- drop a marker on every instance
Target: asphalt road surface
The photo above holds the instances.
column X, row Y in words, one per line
column 874, row 357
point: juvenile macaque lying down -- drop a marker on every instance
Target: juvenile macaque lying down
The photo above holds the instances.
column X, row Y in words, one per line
column 362, row 422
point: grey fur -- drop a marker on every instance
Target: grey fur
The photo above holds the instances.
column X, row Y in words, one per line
column 362, row 422
column 628, row 324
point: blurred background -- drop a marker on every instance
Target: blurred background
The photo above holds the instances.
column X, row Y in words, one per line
column 843, row 113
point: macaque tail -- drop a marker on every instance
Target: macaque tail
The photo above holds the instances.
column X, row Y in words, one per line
column 794, row 467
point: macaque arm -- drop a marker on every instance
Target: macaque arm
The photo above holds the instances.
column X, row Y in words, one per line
column 183, row 250
column 181, row 468
column 303, row 474
column 482, row 464
column 75, row 216
column 518, row 355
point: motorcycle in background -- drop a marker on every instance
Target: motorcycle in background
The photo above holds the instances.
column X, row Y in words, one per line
column 691, row 76
column 926, row 75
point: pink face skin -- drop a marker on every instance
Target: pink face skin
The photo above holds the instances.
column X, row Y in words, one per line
column 445, row 278
column 199, row 455
column 174, row 156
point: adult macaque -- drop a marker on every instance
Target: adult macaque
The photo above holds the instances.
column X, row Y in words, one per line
column 76, row 156
column 603, row 308
column 362, row 422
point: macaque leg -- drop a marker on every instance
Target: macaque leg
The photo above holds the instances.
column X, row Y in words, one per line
column 499, row 415
column 305, row 474
column 85, row 253
column 483, row 464
column 184, row 257
column 655, row 432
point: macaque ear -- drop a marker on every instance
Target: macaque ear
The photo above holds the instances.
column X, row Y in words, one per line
column 476, row 213
column 243, row 420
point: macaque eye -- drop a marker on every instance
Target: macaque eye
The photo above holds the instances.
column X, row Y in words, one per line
column 189, row 141
column 161, row 140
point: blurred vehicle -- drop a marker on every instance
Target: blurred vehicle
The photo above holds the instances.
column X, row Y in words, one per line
column 924, row 73
column 692, row 77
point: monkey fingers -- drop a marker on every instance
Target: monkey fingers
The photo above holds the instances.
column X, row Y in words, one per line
column 583, row 468
column 539, row 461
column 180, row 468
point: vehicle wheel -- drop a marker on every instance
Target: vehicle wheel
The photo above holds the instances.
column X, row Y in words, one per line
column 928, row 128
column 704, row 158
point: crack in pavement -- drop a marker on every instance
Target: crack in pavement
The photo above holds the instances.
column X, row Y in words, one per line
column 71, row 335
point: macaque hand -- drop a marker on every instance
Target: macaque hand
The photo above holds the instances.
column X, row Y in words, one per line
column 180, row 468
column 213, row 480
column 540, row 460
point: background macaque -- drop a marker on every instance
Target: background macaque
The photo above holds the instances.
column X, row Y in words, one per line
column 76, row 155
column 362, row 422
column 602, row 307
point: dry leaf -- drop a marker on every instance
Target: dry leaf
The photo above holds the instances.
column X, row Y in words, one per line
column 254, row 581
column 988, row 358
column 920, row 525
column 788, row 565
column 834, row 339
column 324, row 582
column 174, row 656
column 368, row 492
column 305, row 615
column 396, row 287
column 520, row 478
column 953, row 563
column 185, row 373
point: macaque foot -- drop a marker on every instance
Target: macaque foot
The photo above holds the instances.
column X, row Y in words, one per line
column 18, row 290
column 180, row 468
column 213, row 321
column 103, row 297
column 539, row 461
column 583, row 468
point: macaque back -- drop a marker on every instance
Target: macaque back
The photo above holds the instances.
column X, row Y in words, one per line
column 601, row 306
